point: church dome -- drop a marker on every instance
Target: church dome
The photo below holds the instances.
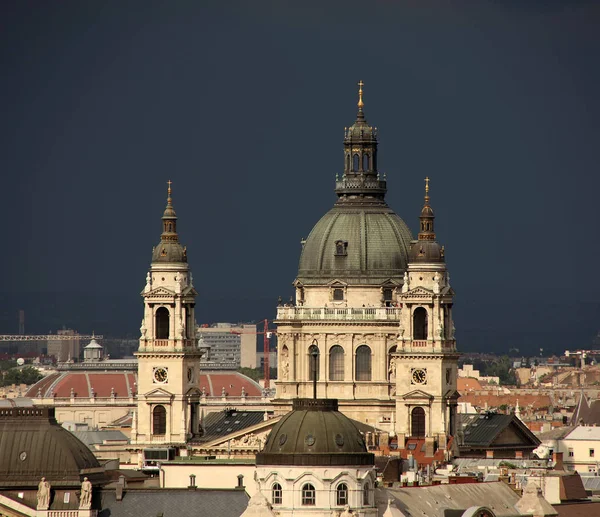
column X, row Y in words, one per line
column 374, row 246
column 360, row 240
column 315, row 433
column 34, row 445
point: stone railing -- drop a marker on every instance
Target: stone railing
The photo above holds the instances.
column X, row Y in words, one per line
column 424, row 345
column 342, row 313
column 159, row 345
column 71, row 513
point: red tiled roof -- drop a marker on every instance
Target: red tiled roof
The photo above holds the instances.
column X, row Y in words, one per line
column 214, row 382
column 493, row 400
column 466, row 384
column 101, row 384
column 82, row 383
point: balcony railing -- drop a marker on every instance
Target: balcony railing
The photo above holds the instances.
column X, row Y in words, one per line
column 342, row 313
column 164, row 344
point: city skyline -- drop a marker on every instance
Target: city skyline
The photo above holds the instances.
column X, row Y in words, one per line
column 244, row 110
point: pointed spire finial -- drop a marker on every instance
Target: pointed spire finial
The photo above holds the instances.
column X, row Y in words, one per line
column 427, row 190
column 169, row 200
column 361, row 104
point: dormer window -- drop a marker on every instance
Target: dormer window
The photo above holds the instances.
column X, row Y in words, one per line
column 341, row 248
column 338, row 294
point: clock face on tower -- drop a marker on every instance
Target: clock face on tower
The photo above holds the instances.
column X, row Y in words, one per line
column 161, row 374
column 418, row 376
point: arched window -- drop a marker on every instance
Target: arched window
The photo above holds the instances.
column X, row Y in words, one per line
column 363, row 363
column 162, row 323
column 312, row 367
column 365, row 162
column 420, row 323
column 347, row 162
column 355, row 162
column 159, row 420
column 417, row 422
column 366, row 494
column 336, row 363
column 308, row 495
column 276, row 493
column 341, row 494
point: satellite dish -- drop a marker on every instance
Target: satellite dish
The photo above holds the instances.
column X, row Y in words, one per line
column 20, row 361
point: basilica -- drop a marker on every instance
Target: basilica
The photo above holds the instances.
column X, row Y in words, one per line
column 371, row 324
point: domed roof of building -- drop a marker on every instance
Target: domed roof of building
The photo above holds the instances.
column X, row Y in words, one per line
column 93, row 344
column 426, row 252
column 375, row 245
column 426, row 249
column 34, row 445
column 169, row 250
column 360, row 240
column 315, row 433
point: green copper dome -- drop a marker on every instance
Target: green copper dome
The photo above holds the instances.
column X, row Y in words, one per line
column 360, row 240
column 355, row 244
column 315, row 433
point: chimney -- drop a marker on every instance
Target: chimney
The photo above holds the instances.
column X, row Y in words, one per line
column 558, row 461
column 119, row 488
column 240, row 485
column 192, row 482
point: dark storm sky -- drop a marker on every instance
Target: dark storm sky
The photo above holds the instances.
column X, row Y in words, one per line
column 243, row 104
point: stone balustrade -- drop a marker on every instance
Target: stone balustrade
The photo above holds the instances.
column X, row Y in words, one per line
column 341, row 313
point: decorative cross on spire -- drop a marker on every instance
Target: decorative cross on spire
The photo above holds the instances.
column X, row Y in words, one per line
column 169, row 192
column 427, row 190
column 360, row 95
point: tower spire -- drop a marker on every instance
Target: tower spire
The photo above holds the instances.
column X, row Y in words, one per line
column 426, row 232
column 361, row 104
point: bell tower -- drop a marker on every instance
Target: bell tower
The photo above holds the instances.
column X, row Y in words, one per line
column 426, row 362
column 168, row 357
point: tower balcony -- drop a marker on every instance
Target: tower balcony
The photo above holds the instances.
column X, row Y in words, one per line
column 168, row 345
column 337, row 314
column 426, row 346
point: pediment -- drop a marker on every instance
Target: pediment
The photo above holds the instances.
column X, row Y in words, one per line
column 420, row 292
column 160, row 291
column 193, row 392
column 337, row 283
column 390, row 282
column 417, row 395
column 452, row 394
column 189, row 291
column 158, row 393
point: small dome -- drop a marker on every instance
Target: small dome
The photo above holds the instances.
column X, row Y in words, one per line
column 426, row 251
column 34, row 445
column 375, row 244
column 93, row 344
column 315, row 433
column 169, row 252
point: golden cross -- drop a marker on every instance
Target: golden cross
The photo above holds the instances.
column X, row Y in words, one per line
column 360, row 94
column 169, row 183
column 426, row 185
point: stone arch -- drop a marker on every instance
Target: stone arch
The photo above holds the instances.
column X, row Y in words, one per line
column 162, row 326
column 478, row 511
column 420, row 323
column 159, row 420
column 336, row 363
column 417, row 422
column 363, row 363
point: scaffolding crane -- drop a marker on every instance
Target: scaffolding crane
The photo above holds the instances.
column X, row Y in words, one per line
column 47, row 337
column 267, row 335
